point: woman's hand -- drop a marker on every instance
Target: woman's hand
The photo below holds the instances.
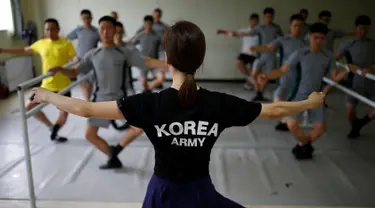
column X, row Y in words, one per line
column 40, row 95
column 317, row 99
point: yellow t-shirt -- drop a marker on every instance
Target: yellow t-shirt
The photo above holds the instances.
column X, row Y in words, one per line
column 54, row 53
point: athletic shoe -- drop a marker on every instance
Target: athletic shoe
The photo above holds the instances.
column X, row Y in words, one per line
column 113, row 163
column 59, row 139
column 281, row 127
column 115, row 150
column 357, row 125
column 54, row 129
column 303, row 152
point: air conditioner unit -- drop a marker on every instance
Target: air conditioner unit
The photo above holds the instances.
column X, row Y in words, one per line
column 15, row 71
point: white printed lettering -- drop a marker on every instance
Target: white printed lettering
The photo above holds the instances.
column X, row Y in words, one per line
column 172, row 129
column 161, row 130
column 190, row 125
column 192, row 142
column 202, row 128
column 175, row 141
column 214, row 130
column 201, row 141
column 183, row 142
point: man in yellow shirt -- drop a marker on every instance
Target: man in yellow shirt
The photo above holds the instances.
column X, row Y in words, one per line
column 54, row 51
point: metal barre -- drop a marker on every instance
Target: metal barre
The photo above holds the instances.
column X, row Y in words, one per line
column 345, row 66
column 38, row 79
column 349, row 92
column 25, row 115
column 67, row 89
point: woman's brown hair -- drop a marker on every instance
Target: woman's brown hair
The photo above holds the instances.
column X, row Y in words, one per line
column 185, row 45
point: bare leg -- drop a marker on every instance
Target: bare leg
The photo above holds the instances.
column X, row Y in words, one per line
column 297, row 131
column 254, row 75
column 86, row 88
column 144, row 83
column 351, row 112
column 61, row 120
column 317, row 131
column 130, row 136
column 93, row 137
column 40, row 116
column 158, row 80
column 242, row 67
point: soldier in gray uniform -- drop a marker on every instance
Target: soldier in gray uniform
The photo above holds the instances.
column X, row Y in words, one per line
column 361, row 51
column 314, row 62
column 333, row 34
column 286, row 45
column 88, row 38
column 109, row 63
column 150, row 43
column 267, row 61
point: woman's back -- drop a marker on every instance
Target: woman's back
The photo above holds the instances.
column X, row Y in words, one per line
column 183, row 137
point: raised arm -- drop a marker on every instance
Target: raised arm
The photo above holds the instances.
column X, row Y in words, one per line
column 86, row 63
column 135, row 58
column 104, row 110
column 73, row 35
column 19, row 51
column 282, row 109
column 263, row 48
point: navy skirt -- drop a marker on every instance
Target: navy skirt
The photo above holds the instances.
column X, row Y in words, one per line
column 164, row 193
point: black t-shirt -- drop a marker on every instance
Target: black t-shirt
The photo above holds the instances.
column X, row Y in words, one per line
column 183, row 138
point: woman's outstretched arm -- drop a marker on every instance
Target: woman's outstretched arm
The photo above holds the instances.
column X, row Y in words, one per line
column 105, row 110
column 283, row 109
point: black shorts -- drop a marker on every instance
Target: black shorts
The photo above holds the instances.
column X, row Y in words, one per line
column 68, row 94
column 247, row 59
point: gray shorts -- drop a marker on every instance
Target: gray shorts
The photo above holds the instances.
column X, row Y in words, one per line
column 265, row 63
column 283, row 90
column 368, row 92
column 101, row 123
column 314, row 115
column 91, row 79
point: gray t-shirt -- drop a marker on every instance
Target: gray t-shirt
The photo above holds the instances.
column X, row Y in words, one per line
column 88, row 38
column 109, row 65
column 287, row 45
column 150, row 43
column 362, row 54
column 314, row 66
column 158, row 27
column 332, row 35
column 267, row 33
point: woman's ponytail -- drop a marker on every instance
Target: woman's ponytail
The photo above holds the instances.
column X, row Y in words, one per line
column 188, row 91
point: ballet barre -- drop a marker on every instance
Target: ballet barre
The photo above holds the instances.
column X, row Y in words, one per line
column 345, row 66
column 25, row 115
column 349, row 92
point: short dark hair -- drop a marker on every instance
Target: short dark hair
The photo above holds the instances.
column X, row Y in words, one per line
column 254, row 16
column 269, row 10
column 52, row 20
column 158, row 10
column 185, row 46
column 148, row 18
column 119, row 24
column 362, row 20
column 86, row 11
column 296, row 17
column 319, row 28
column 325, row 13
column 107, row 19
column 304, row 11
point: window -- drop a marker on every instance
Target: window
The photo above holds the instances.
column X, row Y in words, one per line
column 6, row 15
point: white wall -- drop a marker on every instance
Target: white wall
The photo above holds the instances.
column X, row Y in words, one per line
column 210, row 15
